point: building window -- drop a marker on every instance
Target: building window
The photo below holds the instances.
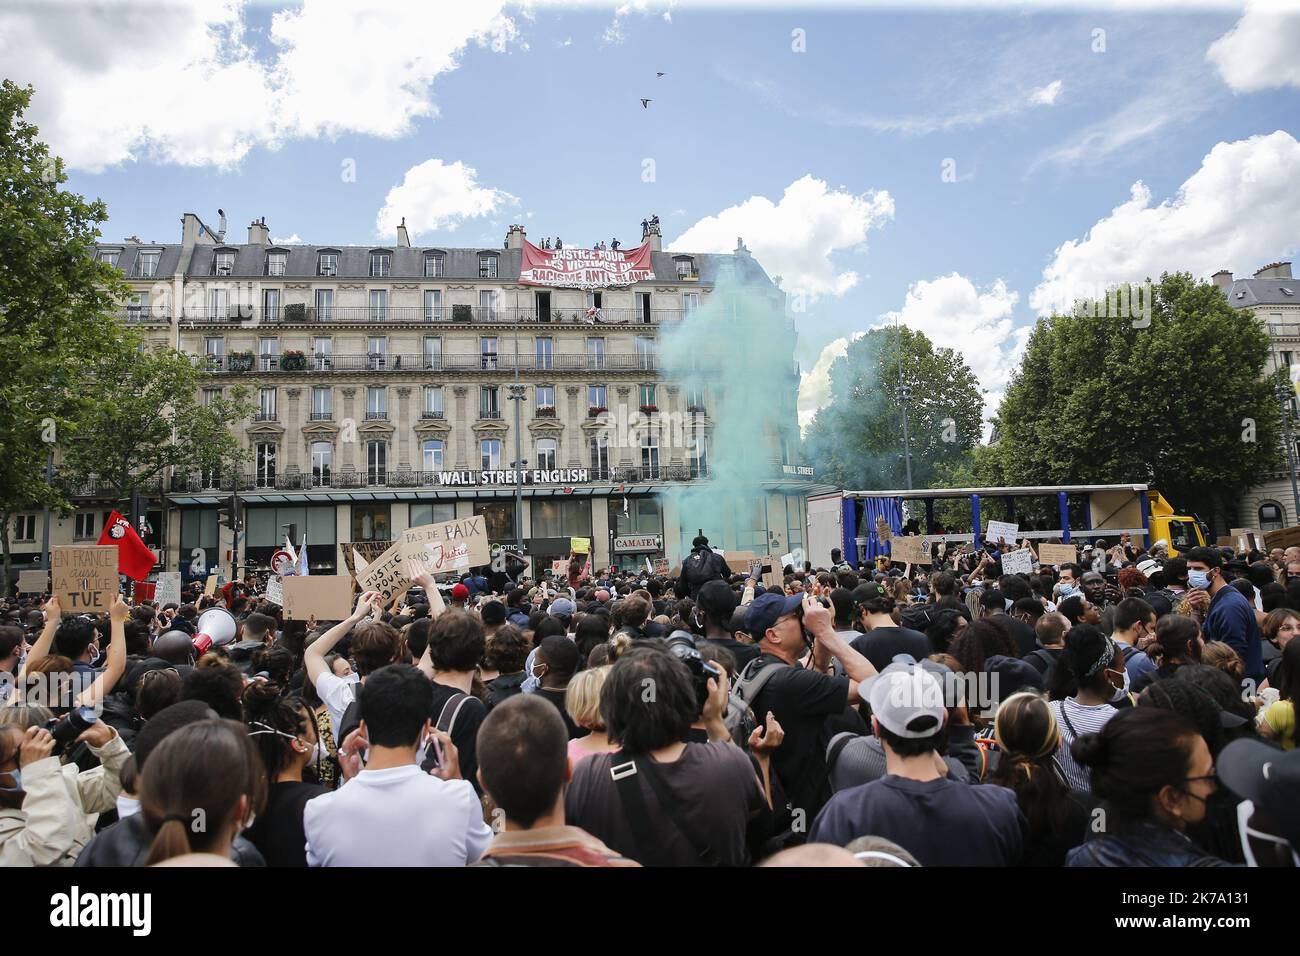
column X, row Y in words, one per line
column 376, row 403
column 265, row 465
column 276, row 263
column 685, row 269
column 498, row 519
column 650, row 456
column 432, row 449
column 1271, row 516
column 545, row 395
column 378, row 305
column 645, row 351
column 84, row 526
column 214, row 347
column 433, row 305
column 266, row 405
column 322, row 403
column 487, row 402
column 322, row 348
column 377, row 351
column 490, row 455
column 25, row 528
column 377, row 463
column 439, row 512
column 108, row 256
column 223, row 263
column 268, row 357
column 146, row 264
column 322, row 462
column 649, row 394
column 695, row 398
column 561, row 517
column 487, row 347
column 271, row 304
column 1286, row 359
column 433, row 353
column 643, row 516
column 379, row 264
column 545, row 352
column 217, row 304
column 546, row 448
column 599, row 447
column 596, row 354
column 137, row 307
column 371, row 523
column 433, row 401
column 487, row 267
column 324, row 305
column 433, row 267
column 596, row 396
column 698, row 452
column 210, row 395
column 487, row 305
column 327, row 264
column 690, row 302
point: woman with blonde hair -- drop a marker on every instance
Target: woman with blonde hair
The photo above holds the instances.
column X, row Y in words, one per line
column 1028, row 738
column 1221, row 655
column 582, row 701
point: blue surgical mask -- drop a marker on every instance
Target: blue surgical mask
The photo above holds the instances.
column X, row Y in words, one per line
column 1198, row 579
column 17, row 774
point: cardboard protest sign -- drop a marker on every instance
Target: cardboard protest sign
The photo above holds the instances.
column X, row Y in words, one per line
column 740, row 561
column 661, row 566
column 1006, row 530
column 210, row 587
column 33, row 582
column 275, row 591
column 385, row 575
column 366, row 550
column 910, row 549
column 1057, row 553
column 1020, row 561
column 559, row 569
column 448, row 546
column 85, row 578
column 883, row 531
column 328, row 596
column 169, row 588
column 773, row 572
column 580, row 545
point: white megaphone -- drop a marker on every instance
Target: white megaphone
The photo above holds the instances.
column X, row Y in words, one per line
column 216, row 629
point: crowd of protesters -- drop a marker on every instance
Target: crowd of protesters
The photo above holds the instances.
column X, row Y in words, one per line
column 1128, row 709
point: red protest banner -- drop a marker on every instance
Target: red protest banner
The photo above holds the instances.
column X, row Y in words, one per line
column 585, row 268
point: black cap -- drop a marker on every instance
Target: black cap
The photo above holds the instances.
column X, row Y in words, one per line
column 1267, row 777
column 717, row 599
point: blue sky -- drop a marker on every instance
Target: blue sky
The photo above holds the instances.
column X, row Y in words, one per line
column 1043, row 133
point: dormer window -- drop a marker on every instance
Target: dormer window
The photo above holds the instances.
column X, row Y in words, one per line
column 108, row 256
column 434, row 265
column 276, row 263
column 327, row 264
column 686, row 268
column 380, row 264
column 487, row 266
column 146, row 263
column 223, row 263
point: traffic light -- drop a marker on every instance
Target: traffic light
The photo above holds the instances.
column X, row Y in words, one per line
column 229, row 514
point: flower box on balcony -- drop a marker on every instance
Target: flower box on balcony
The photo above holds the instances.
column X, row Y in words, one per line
column 595, row 411
column 545, row 411
column 293, row 361
column 697, row 409
column 462, row 313
column 240, row 361
column 295, row 312
column 649, row 408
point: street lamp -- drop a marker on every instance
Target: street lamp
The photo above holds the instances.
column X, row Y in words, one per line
column 1284, row 395
column 517, row 396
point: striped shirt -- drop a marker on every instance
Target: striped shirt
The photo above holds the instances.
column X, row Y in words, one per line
column 1075, row 720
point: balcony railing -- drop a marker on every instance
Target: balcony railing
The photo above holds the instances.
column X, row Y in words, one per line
column 299, row 313
column 492, row 414
column 144, row 315
column 322, row 416
column 430, row 415
column 378, row 416
column 1284, row 329
column 265, row 417
column 447, row 362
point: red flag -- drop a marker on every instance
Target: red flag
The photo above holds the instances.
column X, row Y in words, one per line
column 134, row 559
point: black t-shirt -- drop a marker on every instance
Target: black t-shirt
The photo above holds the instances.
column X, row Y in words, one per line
column 464, row 732
column 744, row 653
column 556, row 697
column 881, row 644
column 803, row 701
column 1024, row 636
column 278, row 832
column 503, row 687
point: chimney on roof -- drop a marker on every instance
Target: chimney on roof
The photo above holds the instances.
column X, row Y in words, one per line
column 403, row 239
column 741, row 249
column 515, row 236
column 258, row 234
column 653, row 235
column 1222, row 279
column 1275, row 270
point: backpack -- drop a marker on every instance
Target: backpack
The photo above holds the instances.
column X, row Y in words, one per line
column 918, row 617
column 696, row 568
column 446, row 721
column 740, row 718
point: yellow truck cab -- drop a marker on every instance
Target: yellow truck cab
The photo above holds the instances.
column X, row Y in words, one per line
column 1181, row 531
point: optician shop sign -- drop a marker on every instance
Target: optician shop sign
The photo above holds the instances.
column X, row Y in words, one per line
column 638, row 543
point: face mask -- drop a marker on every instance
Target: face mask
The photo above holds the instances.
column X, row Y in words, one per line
column 1068, row 590
column 1122, row 689
column 1198, row 579
column 18, row 781
column 537, row 676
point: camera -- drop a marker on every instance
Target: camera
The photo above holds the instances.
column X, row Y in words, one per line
column 70, row 726
column 682, row 646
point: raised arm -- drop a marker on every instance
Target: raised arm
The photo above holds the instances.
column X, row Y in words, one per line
column 53, row 614
column 115, row 665
column 819, row 623
column 313, row 659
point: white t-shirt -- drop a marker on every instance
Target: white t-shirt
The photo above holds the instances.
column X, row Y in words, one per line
column 401, row 816
column 337, row 694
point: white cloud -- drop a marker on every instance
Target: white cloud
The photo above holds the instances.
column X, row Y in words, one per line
column 291, row 240
column 796, row 237
column 1261, row 52
column 815, row 384
column 1046, row 96
column 182, row 84
column 1237, row 211
column 435, row 195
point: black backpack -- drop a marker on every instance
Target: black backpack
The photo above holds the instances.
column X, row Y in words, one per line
column 697, row 568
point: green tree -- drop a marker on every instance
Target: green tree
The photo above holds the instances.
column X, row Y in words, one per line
column 856, row 441
column 1183, row 403
column 147, row 420
column 56, row 305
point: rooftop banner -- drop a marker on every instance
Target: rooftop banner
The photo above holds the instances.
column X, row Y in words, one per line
column 585, row 268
